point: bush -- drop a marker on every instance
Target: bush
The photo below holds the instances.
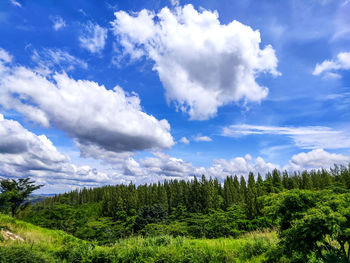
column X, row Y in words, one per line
column 256, row 247
column 77, row 252
column 24, row 254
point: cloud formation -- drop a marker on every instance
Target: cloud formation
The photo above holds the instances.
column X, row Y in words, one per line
column 327, row 67
column 93, row 37
column 240, row 166
column 308, row 137
column 49, row 60
column 162, row 166
column 5, row 56
column 96, row 118
column 316, row 159
column 22, row 153
column 201, row 63
column 185, row 140
column 58, row 23
column 16, row 3
column 200, row 138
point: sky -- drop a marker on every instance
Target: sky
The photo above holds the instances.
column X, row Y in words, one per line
column 106, row 92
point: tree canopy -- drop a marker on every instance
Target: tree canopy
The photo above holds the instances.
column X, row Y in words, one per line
column 14, row 193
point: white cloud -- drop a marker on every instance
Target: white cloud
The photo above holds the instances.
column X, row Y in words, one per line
column 308, row 137
column 16, row 3
column 99, row 153
column 49, row 60
column 202, row 63
column 5, row 56
column 184, row 140
column 200, row 138
column 240, row 166
column 162, row 166
column 341, row 62
column 165, row 165
column 58, row 23
column 96, row 118
column 174, row 2
column 22, row 154
column 93, row 37
column 316, row 159
column 331, row 76
column 152, row 169
column 341, row 22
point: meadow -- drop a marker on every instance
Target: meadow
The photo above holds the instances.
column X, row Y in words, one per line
column 45, row 245
column 284, row 218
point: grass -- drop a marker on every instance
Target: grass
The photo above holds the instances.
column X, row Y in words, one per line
column 44, row 245
column 34, row 234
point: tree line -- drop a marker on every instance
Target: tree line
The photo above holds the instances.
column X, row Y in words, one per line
column 203, row 195
column 309, row 209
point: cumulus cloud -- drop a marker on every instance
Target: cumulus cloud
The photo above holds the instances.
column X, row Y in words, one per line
column 22, row 153
column 58, row 23
column 316, row 159
column 327, row 67
column 93, row 37
column 5, row 56
column 96, row 118
column 162, row 166
column 184, row 140
column 153, row 169
column 200, row 138
column 240, row 166
column 49, row 60
column 308, row 137
column 201, row 63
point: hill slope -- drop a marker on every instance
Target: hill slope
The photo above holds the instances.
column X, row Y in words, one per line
column 36, row 244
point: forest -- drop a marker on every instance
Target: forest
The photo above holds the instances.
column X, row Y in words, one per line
column 298, row 217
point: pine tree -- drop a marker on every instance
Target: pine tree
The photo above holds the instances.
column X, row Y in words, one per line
column 236, row 191
column 243, row 190
column 306, row 182
column 251, row 197
column 276, row 181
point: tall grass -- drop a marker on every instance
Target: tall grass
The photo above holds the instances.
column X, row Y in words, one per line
column 43, row 245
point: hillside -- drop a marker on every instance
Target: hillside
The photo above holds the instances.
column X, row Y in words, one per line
column 44, row 245
column 205, row 221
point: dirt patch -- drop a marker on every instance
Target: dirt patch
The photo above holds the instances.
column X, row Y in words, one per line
column 8, row 235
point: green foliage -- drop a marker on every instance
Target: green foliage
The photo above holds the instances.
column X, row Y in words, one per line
column 149, row 215
column 310, row 210
column 15, row 192
column 24, row 253
column 56, row 246
column 255, row 247
column 313, row 225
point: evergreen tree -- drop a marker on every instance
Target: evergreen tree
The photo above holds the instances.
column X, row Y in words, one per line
column 306, row 182
column 251, row 197
column 276, row 181
column 243, row 190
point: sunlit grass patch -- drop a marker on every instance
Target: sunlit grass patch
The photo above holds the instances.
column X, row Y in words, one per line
column 44, row 245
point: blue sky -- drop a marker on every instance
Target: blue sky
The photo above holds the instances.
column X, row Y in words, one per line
column 103, row 92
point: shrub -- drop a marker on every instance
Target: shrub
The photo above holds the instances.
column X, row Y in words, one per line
column 24, row 254
column 256, row 247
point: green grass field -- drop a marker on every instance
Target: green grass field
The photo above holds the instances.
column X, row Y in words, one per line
column 44, row 245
